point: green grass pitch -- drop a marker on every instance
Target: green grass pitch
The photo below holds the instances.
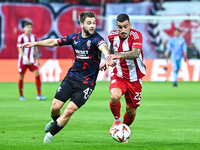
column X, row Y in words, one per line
column 168, row 119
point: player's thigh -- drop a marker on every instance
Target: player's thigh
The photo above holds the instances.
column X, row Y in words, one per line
column 179, row 64
column 64, row 91
column 133, row 94
column 115, row 95
column 34, row 68
column 22, row 68
column 81, row 94
column 174, row 65
column 117, row 83
column 117, row 89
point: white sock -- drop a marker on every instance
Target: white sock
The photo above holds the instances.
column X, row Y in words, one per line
column 49, row 135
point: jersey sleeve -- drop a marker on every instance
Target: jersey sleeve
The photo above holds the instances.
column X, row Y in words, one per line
column 137, row 40
column 66, row 40
column 100, row 41
column 19, row 41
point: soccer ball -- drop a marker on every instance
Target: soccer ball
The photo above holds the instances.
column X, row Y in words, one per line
column 121, row 133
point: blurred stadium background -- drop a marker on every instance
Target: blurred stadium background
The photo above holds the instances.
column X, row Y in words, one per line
column 168, row 118
column 156, row 20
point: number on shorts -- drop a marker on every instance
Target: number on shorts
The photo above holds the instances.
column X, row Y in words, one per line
column 87, row 92
column 137, row 96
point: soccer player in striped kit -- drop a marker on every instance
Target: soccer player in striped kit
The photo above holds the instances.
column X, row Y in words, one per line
column 27, row 60
column 126, row 78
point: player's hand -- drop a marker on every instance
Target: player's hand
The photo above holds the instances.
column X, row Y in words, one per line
column 112, row 63
column 103, row 66
column 26, row 59
column 28, row 44
column 28, row 62
column 38, row 62
column 185, row 56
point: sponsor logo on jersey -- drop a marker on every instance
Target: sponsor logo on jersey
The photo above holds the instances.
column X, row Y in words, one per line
column 137, row 43
column 82, row 54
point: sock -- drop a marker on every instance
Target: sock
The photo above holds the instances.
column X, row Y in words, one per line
column 49, row 135
column 54, row 117
column 20, row 87
column 115, row 109
column 38, row 85
column 128, row 120
column 119, row 119
column 56, row 128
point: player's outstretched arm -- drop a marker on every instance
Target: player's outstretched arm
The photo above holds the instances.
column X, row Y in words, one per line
column 44, row 43
column 129, row 55
column 104, row 49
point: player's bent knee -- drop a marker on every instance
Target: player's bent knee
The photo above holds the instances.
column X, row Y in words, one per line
column 36, row 73
column 56, row 105
column 115, row 98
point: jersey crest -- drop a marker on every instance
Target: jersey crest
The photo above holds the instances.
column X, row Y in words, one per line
column 88, row 43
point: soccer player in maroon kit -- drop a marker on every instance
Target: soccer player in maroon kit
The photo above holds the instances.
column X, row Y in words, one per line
column 27, row 60
column 126, row 78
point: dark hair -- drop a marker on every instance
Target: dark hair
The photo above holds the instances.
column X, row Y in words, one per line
column 177, row 29
column 27, row 23
column 86, row 14
column 122, row 18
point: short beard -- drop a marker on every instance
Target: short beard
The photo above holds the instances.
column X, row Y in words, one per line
column 87, row 32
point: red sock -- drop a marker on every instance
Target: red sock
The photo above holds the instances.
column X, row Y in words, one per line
column 38, row 85
column 20, row 87
column 115, row 109
column 127, row 120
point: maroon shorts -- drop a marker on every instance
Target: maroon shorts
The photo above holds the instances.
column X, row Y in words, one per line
column 23, row 68
column 131, row 90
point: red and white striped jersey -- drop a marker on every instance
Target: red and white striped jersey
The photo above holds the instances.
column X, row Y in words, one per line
column 131, row 70
column 29, row 52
